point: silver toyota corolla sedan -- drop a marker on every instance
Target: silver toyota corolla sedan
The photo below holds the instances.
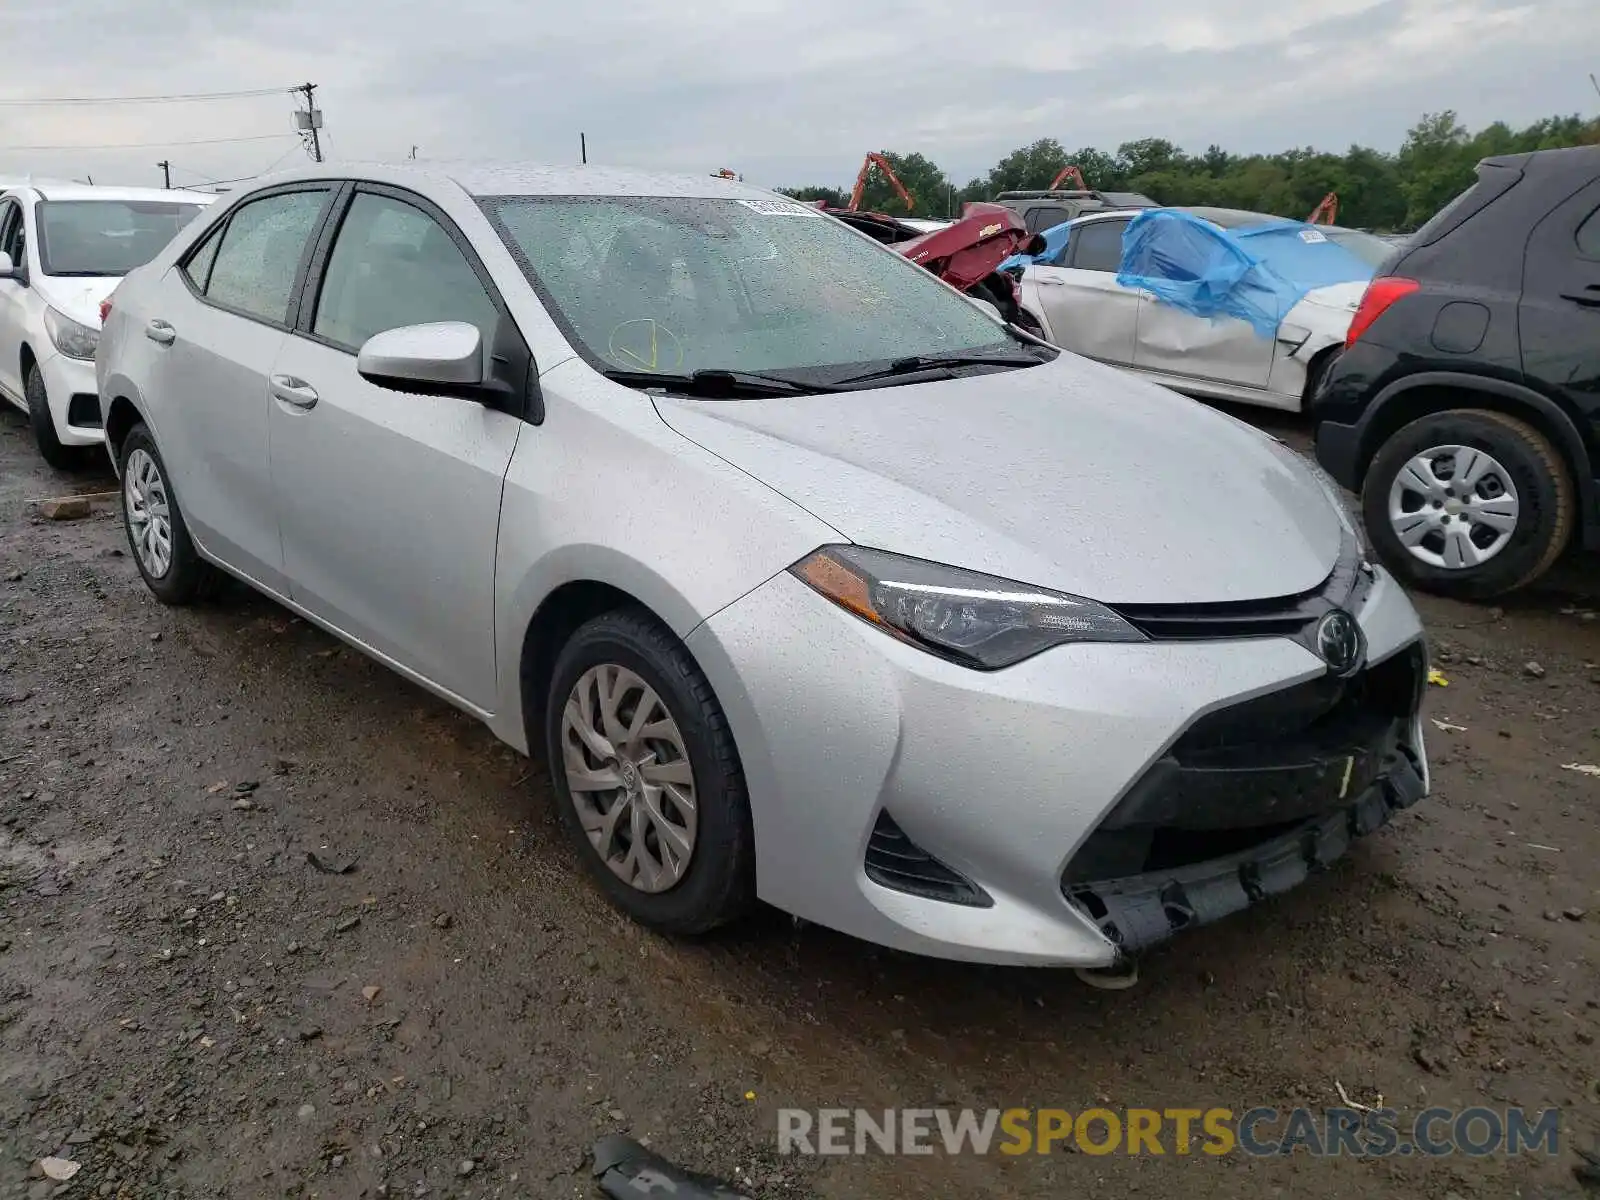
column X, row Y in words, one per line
column 812, row 581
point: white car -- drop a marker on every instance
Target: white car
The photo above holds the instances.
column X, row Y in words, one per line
column 63, row 248
column 1083, row 308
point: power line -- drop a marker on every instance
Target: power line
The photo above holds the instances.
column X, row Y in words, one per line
column 168, row 99
column 260, row 137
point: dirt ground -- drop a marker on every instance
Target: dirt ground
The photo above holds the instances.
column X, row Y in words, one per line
column 190, row 1008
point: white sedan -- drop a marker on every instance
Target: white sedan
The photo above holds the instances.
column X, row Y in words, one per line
column 1083, row 308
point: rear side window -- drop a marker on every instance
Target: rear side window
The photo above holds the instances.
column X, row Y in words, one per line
column 259, row 255
column 1097, row 246
column 1040, row 219
column 198, row 268
column 1494, row 180
column 1589, row 235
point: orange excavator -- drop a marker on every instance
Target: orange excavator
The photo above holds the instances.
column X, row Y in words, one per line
column 1326, row 212
column 860, row 188
column 1066, row 173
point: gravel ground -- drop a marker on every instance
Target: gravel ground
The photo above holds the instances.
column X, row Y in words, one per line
column 191, row 1007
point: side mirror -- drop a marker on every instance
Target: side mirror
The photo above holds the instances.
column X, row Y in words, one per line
column 10, row 270
column 441, row 358
column 988, row 307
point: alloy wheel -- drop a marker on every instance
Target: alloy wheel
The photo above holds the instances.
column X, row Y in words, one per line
column 629, row 776
column 1453, row 507
column 149, row 518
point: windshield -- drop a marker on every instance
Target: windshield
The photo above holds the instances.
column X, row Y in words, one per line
column 106, row 237
column 677, row 285
column 1368, row 247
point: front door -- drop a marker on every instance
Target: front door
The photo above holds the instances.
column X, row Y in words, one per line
column 390, row 501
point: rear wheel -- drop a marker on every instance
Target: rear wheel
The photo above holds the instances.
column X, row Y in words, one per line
column 62, row 458
column 647, row 777
column 172, row 568
column 1468, row 503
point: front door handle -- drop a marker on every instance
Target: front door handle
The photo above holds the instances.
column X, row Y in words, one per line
column 161, row 333
column 1589, row 297
column 1049, row 281
column 294, row 391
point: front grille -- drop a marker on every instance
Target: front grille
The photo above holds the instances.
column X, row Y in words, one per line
column 895, row 861
column 1245, row 774
column 83, row 410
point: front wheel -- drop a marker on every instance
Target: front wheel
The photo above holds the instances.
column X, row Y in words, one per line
column 1468, row 503
column 61, row 457
column 647, row 776
column 172, row 568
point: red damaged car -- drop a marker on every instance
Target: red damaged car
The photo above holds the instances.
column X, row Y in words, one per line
column 965, row 253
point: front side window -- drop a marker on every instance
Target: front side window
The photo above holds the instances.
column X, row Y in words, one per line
column 259, row 256
column 394, row 265
column 1097, row 246
column 680, row 284
column 106, row 237
column 11, row 232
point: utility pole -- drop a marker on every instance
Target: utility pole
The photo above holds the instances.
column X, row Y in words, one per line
column 583, row 148
column 413, row 152
column 166, row 174
column 312, row 122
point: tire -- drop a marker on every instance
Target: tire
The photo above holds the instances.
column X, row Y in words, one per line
column 1536, row 482
column 62, row 458
column 716, row 883
column 1316, row 374
column 183, row 577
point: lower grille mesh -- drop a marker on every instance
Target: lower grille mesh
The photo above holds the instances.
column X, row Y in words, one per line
column 895, row 861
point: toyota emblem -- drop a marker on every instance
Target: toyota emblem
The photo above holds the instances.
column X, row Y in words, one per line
column 1340, row 642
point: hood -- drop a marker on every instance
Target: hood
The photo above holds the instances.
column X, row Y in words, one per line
column 77, row 298
column 1069, row 475
column 1341, row 297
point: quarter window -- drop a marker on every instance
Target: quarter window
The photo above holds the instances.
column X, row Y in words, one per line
column 198, row 268
column 394, row 265
column 255, row 265
column 1589, row 236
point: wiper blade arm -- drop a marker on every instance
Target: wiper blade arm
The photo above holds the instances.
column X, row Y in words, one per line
column 935, row 362
column 714, row 382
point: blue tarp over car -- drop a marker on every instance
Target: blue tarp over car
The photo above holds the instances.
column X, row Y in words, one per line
column 1256, row 273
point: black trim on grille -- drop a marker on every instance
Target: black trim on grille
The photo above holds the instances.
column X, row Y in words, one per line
column 1294, row 617
column 896, row 862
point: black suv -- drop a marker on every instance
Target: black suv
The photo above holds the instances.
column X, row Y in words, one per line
column 1465, row 407
column 1041, row 210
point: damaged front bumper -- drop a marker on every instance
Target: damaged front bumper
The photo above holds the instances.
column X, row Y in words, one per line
column 1139, row 911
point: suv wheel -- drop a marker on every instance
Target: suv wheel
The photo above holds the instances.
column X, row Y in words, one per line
column 1468, row 503
column 172, row 568
column 647, row 776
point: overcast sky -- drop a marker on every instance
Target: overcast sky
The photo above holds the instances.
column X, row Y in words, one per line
column 786, row 91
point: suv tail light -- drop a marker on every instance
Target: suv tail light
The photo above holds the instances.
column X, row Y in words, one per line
column 1380, row 294
column 105, row 310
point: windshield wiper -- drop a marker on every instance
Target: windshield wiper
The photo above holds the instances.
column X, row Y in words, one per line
column 716, row 384
column 917, row 363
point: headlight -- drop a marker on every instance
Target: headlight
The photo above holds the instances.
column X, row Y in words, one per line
column 72, row 339
column 1330, row 489
column 976, row 620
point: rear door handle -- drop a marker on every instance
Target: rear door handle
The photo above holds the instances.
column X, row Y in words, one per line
column 1589, row 297
column 1049, row 281
column 294, row 391
column 160, row 332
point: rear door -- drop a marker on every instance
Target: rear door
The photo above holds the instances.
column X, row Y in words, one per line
column 1086, row 309
column 214, row 325
column 389, row 500
column 1560, row 308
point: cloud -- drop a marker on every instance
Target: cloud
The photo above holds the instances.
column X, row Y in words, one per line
column 787, row 91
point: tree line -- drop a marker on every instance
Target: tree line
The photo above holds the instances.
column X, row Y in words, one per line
column 1377, row 190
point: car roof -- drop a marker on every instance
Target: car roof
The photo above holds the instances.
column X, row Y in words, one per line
column 478, row 178
column 92, row 191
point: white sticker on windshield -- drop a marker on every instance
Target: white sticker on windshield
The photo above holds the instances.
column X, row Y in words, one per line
column 780, row 208
column 1312, row 236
